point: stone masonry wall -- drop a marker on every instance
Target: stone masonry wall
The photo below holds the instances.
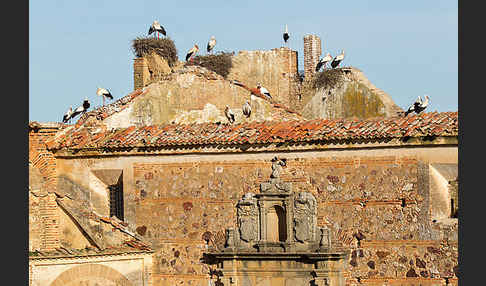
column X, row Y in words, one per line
column 376, row 206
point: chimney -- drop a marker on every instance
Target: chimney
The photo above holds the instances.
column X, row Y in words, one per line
column 312, row 53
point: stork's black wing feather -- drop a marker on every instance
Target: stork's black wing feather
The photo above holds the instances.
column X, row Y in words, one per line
column 151, row 30
column 162, row 30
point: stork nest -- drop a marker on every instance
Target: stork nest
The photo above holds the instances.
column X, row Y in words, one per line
column 328, row 77
column 164, row 47
column 219, row 63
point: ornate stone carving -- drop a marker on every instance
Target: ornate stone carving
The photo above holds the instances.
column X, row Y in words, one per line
column 247, row 212
column 305, row 217
column 275, row 185
column 277, row 165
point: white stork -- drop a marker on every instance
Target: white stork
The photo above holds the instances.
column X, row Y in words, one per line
column 247, row 109
column 229, row 114
column 67, row 115
column 264, row 91
column 192, row 52
column 157, row 28
column 286, row 35
column 323, row 61
column 82, row 108
column 337, row 60
column 211, row 44
column 422, row 105
column 414, row 106
column 103, row 92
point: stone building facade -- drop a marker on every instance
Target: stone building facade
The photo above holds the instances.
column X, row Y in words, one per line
column 139, row 191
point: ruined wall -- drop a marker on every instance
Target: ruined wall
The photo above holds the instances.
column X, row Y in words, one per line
column 193, row 95
column 353, row 96
column 375, row 202
column 275, row 69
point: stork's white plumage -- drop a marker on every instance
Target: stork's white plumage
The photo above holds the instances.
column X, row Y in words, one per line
column 264, row 91
column 67, row 115
column 192, row 52
column 323, row 62
column 247, row 109
column 286, row 34
column 337, row 60
column 156, row 27
column 229, row 114
column 211, row 44
column 103, row 92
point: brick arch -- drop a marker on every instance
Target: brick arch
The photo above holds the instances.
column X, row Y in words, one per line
column 91, row 274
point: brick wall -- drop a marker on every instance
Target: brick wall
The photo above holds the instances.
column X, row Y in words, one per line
column 312, row 53
column 39, row 156
column 43, row 209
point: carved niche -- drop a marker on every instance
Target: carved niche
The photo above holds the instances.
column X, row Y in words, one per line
column 305, row 213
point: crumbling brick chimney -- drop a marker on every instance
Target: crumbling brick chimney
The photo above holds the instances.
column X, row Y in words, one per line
column 141, row 73
column 312, row 53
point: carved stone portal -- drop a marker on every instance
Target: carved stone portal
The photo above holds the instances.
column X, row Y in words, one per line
column 278, row 227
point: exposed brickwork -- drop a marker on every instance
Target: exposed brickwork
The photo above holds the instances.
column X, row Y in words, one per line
column 39, row 156
column 141, row 74
column 312, row 54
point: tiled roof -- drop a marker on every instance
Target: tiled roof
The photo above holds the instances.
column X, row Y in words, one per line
column 426, row 124
column 129, row 247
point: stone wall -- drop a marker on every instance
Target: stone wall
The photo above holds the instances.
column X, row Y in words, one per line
column 275, row 69
column 377, row 205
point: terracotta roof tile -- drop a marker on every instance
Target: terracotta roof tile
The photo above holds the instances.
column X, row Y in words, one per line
column 426, row 124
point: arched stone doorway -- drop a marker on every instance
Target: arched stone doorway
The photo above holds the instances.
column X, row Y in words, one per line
column 91, row 275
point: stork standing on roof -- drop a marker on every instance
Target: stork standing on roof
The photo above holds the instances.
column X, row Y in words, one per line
column 157, row 28
column 67, row 115
column 229, row 114
column 286, row 34
column 192, row 52
column 82, row 108
column 211, row 44
column 418, row 106
column 264, row 91
column 323, row 62
column 422, row 105
column 253, row 91
column 337, row 60
column 246, row 109
column 103, row 92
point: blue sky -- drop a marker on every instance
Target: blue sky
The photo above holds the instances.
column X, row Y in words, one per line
column 406, row 48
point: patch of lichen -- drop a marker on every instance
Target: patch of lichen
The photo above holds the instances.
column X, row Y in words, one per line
column 360, row 102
